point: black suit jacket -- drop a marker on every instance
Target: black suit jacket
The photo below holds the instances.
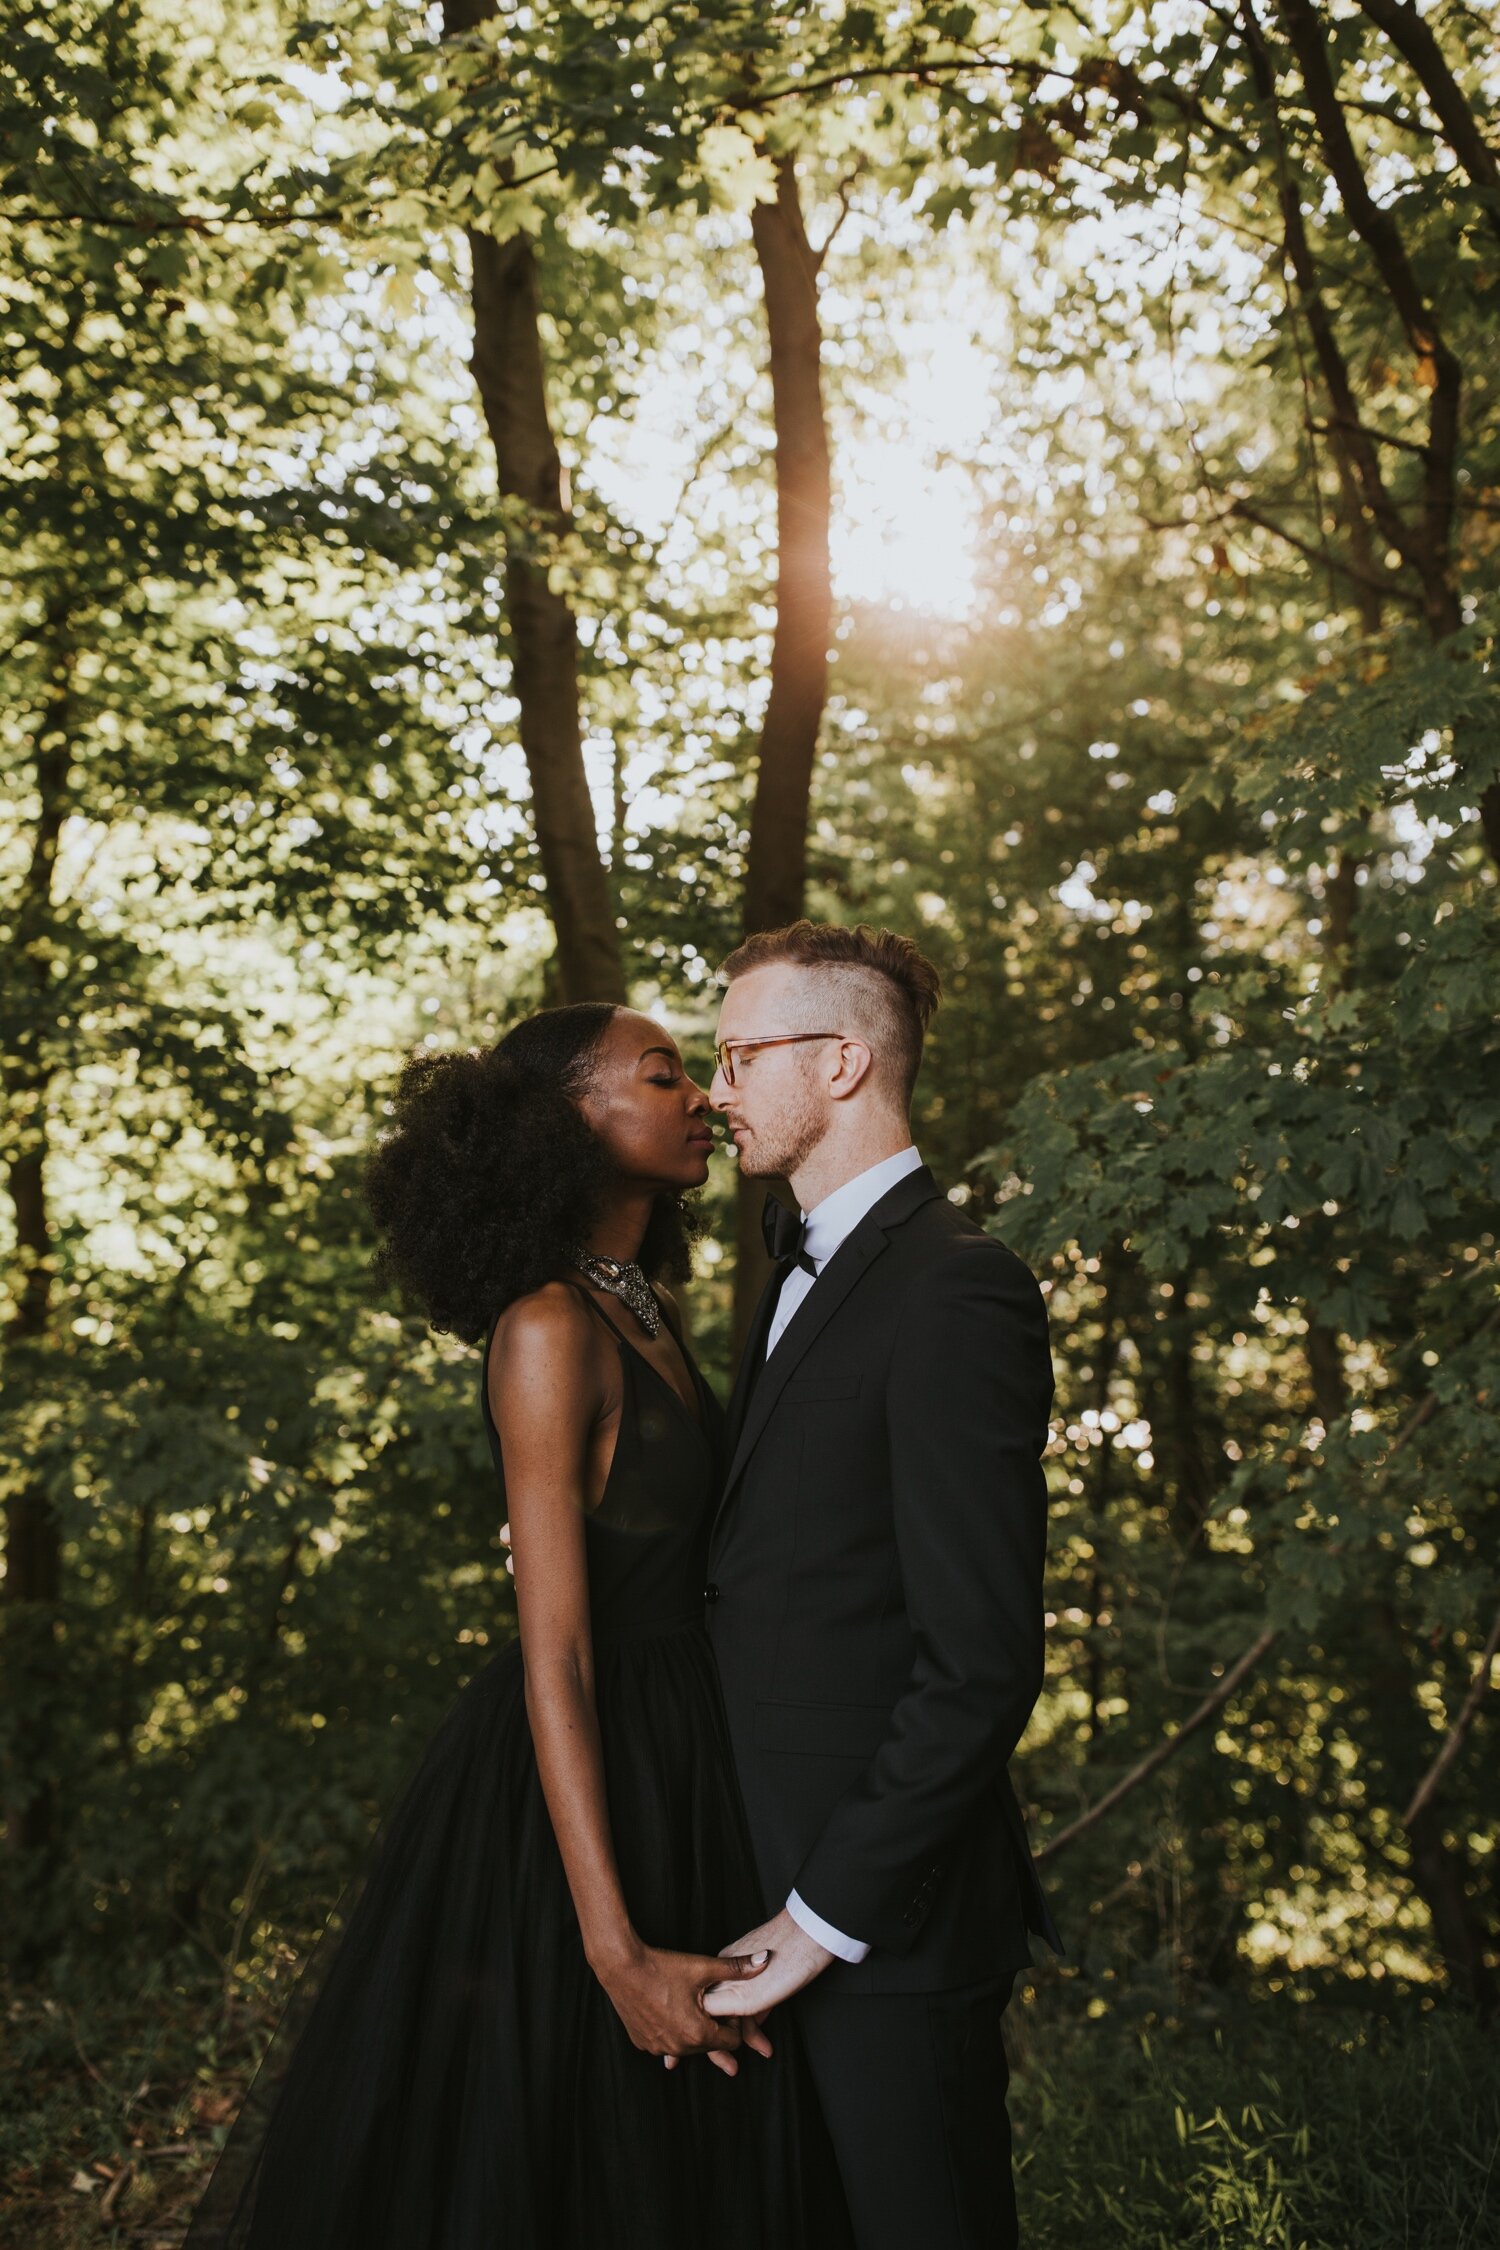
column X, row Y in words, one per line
column 875, row 1595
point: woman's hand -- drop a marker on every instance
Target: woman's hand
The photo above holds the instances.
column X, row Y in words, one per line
column 658, row 1996
column 753, row 2035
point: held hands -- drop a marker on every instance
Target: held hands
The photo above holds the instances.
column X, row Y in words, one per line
column 752, row 2035
column 795, row 1959
column 658, row 1996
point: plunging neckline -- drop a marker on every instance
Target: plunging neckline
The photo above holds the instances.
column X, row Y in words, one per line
column 698, row 1421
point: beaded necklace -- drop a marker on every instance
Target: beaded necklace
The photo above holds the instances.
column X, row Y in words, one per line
column 623, row 1278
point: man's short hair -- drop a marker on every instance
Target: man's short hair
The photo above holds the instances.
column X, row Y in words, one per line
column 887, row 987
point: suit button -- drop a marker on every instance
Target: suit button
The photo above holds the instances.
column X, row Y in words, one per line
column 710, row 1592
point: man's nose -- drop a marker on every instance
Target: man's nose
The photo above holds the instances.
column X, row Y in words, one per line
column 718, row 1090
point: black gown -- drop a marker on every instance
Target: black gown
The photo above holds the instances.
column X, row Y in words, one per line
column 450, row 2075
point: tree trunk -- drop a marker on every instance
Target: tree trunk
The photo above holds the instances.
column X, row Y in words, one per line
column 776, row 867
column 33, row 1552
column 1441, row 1873
column 1106, row 1359
column 1187, row 1450
column 268, row 1643
column 776, row 873
column 510, row 373
column 1325, row 1368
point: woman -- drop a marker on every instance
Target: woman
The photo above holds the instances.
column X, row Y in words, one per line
column 487, row 2061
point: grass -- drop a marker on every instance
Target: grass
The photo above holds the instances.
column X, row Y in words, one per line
column 1282, row 2126
column 1287, row 2127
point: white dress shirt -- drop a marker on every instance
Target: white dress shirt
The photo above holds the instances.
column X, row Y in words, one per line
column 826, row 1225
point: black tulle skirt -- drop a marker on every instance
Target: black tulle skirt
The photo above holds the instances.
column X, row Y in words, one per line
column 450, row 2074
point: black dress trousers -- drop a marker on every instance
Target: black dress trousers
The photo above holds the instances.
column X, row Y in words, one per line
column 912, row 2086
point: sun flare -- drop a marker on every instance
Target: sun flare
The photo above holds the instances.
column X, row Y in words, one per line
column 905, row 526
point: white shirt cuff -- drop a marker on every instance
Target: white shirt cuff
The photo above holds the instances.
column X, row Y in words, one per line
column 832, row 1940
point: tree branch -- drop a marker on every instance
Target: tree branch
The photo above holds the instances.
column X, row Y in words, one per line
column 845, row 199
column 1428, row 1787
column 1376, row 437
column 1364, row 461
column 1421, row 1414
column 210, row 223
column 1246, row 512
column 1437, row 367
column 1121, row 79
column 1164, row 1750
column 1411, row 35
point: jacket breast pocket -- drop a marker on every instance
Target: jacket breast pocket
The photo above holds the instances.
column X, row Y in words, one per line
column 821, row 1730
column 809, row 1387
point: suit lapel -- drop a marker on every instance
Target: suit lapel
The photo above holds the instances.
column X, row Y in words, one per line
column 757, row 1388
column 750, row 1359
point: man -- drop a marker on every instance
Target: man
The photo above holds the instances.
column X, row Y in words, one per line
column 875, row 1589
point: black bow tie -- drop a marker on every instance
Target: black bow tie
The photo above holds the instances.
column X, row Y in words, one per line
column 783, row 1231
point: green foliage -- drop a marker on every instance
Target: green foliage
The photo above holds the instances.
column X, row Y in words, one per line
column 1376, row 1097
column 1186, row 813
column 1397, row 723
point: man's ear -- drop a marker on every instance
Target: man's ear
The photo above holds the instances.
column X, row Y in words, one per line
column 855, row 1064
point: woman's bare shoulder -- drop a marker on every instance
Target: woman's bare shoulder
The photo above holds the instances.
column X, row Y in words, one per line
column 545, row 1331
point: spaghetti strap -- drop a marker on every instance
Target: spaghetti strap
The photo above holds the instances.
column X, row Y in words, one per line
column 590, row 1298
column 633, row 1352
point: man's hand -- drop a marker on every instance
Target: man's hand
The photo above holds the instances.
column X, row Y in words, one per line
column 659, row 1997
column 795, row 1960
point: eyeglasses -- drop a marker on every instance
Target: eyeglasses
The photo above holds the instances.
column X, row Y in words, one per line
column 724, row 1051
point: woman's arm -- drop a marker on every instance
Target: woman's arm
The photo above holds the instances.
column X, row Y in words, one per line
column 547, row 1394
